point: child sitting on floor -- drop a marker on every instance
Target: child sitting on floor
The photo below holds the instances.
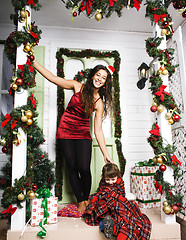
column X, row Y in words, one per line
column 115, row 215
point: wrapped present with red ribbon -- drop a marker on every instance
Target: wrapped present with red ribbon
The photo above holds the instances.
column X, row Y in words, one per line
column 143, row 185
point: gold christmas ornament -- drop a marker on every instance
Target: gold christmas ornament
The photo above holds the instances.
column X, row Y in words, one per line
column 160, row 108
column 14, row 86
column 167, row 209
column 170, row 121
column 21, row 20
column 27, row 47
column 29, row 114
column 168, row 115
column 163, row 32
column 21, row 197
column 23, row 14
column 3, row 142
column 154, row 104
column 24, row 119
column 16, row 141
column 159, row 159
column 31, row 194
column 29, row 121
column 98, row 16
column 14, row 78
column 165, row 203
column 159, row 72
column 154, row 160
column 165, row 72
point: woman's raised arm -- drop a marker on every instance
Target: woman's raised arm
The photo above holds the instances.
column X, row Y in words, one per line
column 61, row 82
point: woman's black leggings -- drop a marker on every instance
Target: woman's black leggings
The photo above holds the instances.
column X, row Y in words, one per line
column 77, row 153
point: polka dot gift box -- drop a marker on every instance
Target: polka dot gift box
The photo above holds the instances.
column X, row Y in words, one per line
column 142, row 185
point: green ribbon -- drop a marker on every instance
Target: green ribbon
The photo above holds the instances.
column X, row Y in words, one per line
column 148, row 201
column 44, row 193
column 143, row 174
column 149, row 163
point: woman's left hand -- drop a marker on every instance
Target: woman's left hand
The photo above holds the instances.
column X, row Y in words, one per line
column 108, row 159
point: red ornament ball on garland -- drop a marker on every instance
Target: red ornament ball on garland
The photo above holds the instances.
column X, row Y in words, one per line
column 165, row 24
column 34, row 187
column 19, row 81
column 153, row 108
column 176, row 118
column 4, row 149
column 184, row 14
column 162, row 168
column 175, row 208
column 74, row 14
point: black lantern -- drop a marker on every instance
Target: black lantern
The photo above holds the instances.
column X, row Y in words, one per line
column 143, row 74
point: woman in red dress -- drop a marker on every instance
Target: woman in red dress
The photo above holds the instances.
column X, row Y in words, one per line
column 73, row 134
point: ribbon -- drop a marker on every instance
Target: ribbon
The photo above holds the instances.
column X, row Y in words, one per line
column 155, row 131
column 13, row 125
column 175, row 160
column 148, row 201
column 158, row 17
column 161, row 92
column 137, row 4
column 10, row 210
column 29, row 65
column 8, row 118
column 86, row 5
column 31, row 2
column 158, row 187
column 142, row 174
column 112, row 2
column 44, row 193
column 33, row 101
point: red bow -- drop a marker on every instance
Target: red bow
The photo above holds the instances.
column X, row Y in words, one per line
column 21, row 67
column 86, row 5
column 10, row 210
column 112, row 2
column 30, row 65
column 158, row 17
column 31, row 2
column 137, row 4
column 33, row 101
column 155, row 131
column 161, row 92
column 8, row 118
column 175, row 160
column 158, row 187
column 111, row 68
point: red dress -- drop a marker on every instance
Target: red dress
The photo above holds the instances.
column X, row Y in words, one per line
column 73, row 123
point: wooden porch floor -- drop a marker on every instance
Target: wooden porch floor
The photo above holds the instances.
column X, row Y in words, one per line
column 77, row 229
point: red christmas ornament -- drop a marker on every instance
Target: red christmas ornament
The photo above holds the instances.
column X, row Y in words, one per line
column 34, row 187
column 184, row 14
column 74, row 14
column 165, row 24
column 4, row 149
column 19, row 81
column 176, row 118
column 153, row 108
column 175, row 208
column 162, row 168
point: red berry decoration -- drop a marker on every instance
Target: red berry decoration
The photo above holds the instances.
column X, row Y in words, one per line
column 152, row 44
column 162, row 168
column 34, row 187
column 19, row 81
column 4, row 149
column 175, row 208
column 74, row 14
column 184, row 14
column 153, row 108
column 176, row 118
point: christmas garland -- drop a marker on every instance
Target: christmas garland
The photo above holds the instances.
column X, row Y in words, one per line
column 80, row 76
column 100, row 9
column 164, row 155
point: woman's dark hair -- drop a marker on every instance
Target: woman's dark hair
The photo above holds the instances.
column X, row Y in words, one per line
column 105, row 92
column 110, row 170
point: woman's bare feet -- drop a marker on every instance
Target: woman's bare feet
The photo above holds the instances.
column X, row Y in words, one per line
column 81, row 206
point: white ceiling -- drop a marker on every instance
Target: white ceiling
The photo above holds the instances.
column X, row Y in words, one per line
column 54, row 13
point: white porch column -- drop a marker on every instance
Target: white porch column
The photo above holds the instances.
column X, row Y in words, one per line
column 19, row 153
column 165, row 129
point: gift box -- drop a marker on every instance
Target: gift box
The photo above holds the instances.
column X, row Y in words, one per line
column 37, row 210
column 142, row 185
